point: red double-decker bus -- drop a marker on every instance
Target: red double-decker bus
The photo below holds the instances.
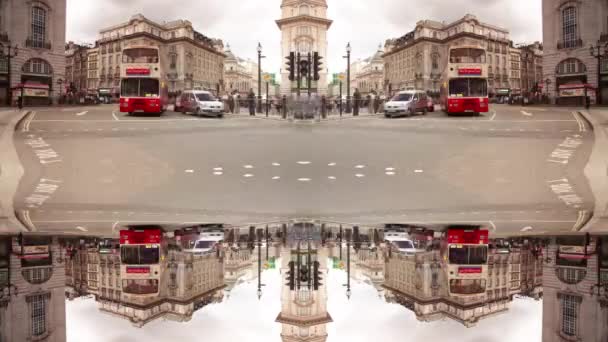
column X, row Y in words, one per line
column 140, row 260
column 465, row 253
column 465, row 82
column 143, row 88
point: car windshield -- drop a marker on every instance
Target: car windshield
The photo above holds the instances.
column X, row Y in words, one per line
column 204, row 244
column 205, row 97
column 402, row 97
column 404, row 244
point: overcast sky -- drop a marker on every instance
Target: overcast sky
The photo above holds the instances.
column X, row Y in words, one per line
column 362, row 318
column 366, row 24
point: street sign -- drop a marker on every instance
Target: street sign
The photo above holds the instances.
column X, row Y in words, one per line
column 341, row 76
column 267, row 77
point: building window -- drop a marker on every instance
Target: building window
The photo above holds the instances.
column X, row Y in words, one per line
column 570, row 307
column 38, row 26
column 570, row 66
column 569, row 26
column 37, row 275
column 38, row 314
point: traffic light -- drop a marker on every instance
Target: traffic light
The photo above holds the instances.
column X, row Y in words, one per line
column 303, row 277
column 291, row 63
column 304, row 68
column 291, row 280
column 317, row 65
column 316, row 276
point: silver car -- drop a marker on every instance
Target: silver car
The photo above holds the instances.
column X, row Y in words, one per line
column 407, row 103
column 199, row 102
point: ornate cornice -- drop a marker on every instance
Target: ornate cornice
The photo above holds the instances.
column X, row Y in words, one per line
column 304, row 18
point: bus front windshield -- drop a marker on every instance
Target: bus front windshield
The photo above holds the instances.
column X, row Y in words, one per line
column 467, row 286
column 141, row 55
column 139, row 87
column 140, row 286
column 468, row 87
column 139, row 254
column 468, row 255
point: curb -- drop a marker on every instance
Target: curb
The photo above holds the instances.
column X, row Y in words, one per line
column 11, row 173
column 596, row 172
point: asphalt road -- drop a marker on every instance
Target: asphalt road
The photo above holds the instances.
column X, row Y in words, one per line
column 90, row 169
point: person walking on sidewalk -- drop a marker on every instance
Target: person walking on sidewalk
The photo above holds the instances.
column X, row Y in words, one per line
column 357, row 97
column 251, row 102
column 20, row 102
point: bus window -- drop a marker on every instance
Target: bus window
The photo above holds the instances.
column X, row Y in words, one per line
column 139, row 87
column 467, row 286
column 468, row 87
column 139, row 255
column 468, row 255
column 139, row 286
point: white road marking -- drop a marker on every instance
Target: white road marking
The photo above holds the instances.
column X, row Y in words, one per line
column 304, row 162
column 276, row 164
column 304, row 179
column 114, row 116
column 218, row 169
column 526, row 113
column 526, row 229
column 26, row 126
column 493, row 225
column 390, row 173
column 276, row 178
column 82, row 113
column 493, row 116
column 248, row 166
column 331, row 164
column 360, row 167
column 581, row 124
column 359, row 175
column 218, row 173
column 114, row 226
column 189, row 171
column 389, row 169
column 331, row 178
column 248, row 175
column 82, row 229
column 418, row 171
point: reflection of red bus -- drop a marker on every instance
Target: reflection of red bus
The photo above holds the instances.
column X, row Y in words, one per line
column 465, row 252
column 465, row 82
column 140, row 257
column 143, row 88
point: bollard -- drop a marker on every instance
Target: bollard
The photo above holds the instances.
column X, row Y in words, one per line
column 284, row 106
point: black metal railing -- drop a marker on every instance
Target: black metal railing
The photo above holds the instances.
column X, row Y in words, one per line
column 570, row 44
column 604, row 37
column 38, row 44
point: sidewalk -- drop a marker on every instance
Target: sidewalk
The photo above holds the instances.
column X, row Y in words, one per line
column 11, row 171
column 597, row 168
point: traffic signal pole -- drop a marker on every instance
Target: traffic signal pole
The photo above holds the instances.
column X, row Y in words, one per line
column 308, row 76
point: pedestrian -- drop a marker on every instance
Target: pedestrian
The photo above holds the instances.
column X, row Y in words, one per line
column 357, row 97
column 251, row 102
column 20, row 102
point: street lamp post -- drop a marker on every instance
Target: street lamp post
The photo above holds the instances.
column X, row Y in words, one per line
column 548, row 84
column 348, row 105
column 260, row 78
column 596, row 51
column 11, row 51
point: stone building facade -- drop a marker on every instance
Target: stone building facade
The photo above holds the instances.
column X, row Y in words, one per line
column 368, row 75
column 531, row 67
column 569, row 29
column 418, row 59
column 38, row 28
column 76, row 68
column 575, row 282
column 32, row 305
column 304, row 26
column 191, row 60
column 240, row 75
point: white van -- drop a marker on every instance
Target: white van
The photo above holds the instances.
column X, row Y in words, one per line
column 400, row 241
column 206, row 243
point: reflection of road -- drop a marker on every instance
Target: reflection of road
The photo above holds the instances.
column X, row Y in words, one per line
column 100, row 166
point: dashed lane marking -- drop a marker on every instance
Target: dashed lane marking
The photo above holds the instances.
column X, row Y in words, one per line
column 493, row 116
column 82, row 113
column 526, row 113
column 115, row 117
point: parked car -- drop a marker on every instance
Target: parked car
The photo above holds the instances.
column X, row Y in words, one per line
column 200, row 102
column 408, row 102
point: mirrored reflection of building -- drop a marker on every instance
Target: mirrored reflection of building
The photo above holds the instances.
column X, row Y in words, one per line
column 304, row 315
column 32, row 282
column 575, row 280
column 462, row 278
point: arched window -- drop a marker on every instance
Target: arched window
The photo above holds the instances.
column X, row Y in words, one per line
column 570, row 66
column 37, row 66
column 304, row 10
column 569, row 26
column 38, row 26
column 37, row 275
